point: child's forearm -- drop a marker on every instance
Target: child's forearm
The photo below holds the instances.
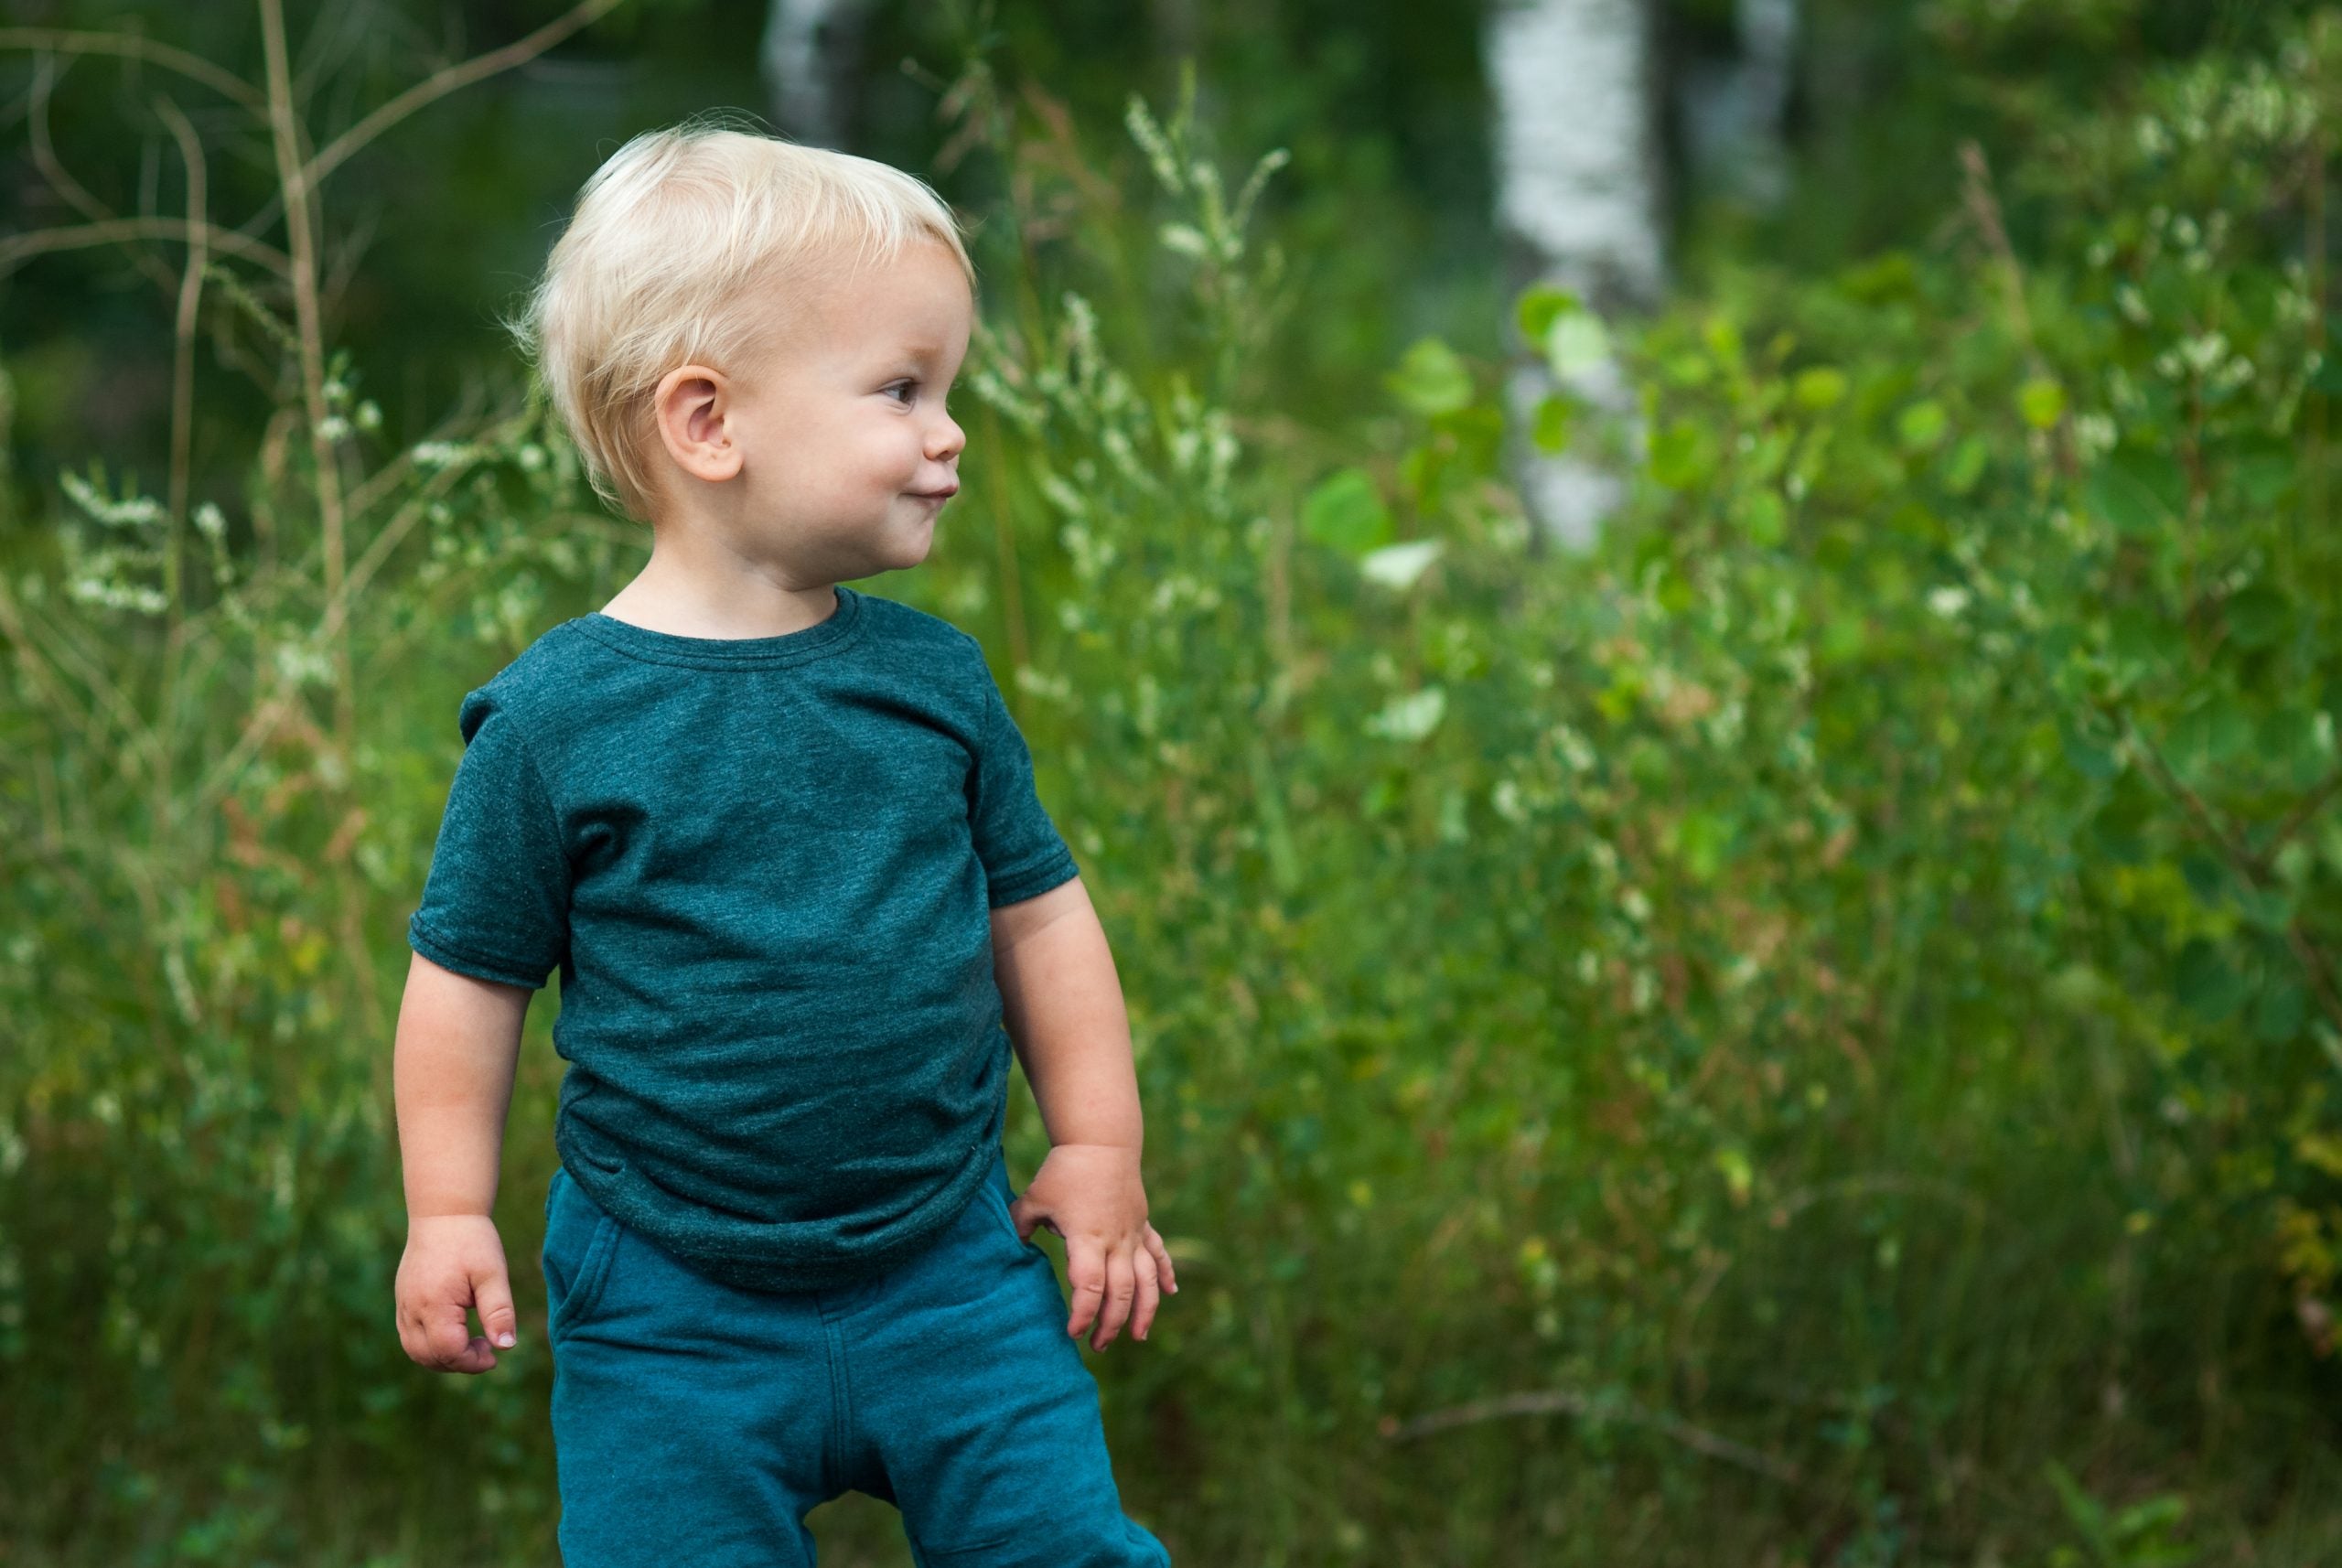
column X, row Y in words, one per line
column 1063, row 1004
column 458, row 1040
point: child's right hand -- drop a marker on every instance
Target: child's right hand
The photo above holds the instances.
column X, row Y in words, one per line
column 454, row 1262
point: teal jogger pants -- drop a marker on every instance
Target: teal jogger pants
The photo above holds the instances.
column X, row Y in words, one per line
column 697, row 1423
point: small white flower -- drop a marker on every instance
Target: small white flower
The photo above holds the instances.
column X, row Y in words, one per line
column 1397, row 567
column 2094, row 432
column 1410, row 716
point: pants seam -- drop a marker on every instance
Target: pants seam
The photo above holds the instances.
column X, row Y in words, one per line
column 833, row 1456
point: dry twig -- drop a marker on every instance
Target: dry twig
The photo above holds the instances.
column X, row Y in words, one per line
column 1562, row 1402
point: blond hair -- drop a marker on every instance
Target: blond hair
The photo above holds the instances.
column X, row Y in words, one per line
column 666, row 238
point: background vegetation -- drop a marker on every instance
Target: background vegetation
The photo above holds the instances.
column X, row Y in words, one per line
column 1807, row 1035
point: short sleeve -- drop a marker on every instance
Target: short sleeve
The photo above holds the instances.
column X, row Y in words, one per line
column 496, row 903
column 1023, row 855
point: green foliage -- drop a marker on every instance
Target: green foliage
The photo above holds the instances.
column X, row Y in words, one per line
column 2139, row 1536
column 1783, row 1031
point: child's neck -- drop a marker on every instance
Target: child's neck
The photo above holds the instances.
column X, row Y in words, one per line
column 689, row 589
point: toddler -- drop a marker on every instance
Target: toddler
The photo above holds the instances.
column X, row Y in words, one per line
column 780, row 838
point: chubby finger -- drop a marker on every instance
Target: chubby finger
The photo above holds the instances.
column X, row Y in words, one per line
column 1162, row 1260
column 492, row 1299
column 448, row 1344
column 1150, row 1293
column 1085, row 1270
column 1122, row 1287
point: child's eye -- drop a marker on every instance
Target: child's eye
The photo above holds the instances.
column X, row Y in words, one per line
column 904, row 386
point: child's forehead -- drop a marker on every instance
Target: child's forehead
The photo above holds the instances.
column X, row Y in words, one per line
column 845, row 274
column 897, row 305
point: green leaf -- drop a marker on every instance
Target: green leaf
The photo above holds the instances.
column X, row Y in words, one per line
column 1966, row 464
column 1550, row 430
column 1844, row 637
column 2118, row 830
column 2205, row 982
column 1681, row 456
column 2282, row 1009
column 1921, row 427
column 1577, row 343
column 1431, row 378
column 1721, row 333
column 2264, row 478
column 2119, row 497
column 2210, row 735
column 2257, row 617
column 2042, row 401
column 1345, row 512
column 2267, row 908
column 1700, row 838
column 2077, row 988
column 1891, row 275
column 1540, row 307
column 1763, row 517
column 1822, row 386
column 1690, row 370
column 2085, row 753
column 1478, row 432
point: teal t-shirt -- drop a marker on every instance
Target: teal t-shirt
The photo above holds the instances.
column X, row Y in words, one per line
column 764, row 867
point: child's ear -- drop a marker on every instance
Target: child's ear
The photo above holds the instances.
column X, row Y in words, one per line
column 692, row 405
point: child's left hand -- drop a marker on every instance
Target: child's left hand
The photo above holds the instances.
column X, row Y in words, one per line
column 1091, row 1195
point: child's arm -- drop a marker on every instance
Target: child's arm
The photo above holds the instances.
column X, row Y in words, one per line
column 1063, row 1005
column 458, row 1039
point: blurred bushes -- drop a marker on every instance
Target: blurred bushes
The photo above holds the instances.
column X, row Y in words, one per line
column 1806, row 1035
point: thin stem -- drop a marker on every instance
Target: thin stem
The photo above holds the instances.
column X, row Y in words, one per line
column 453, row 79
column 1012, row 600
column 60, row 179
column 1562, row 1401
column 293, row 179
column 20, row 248
column 2314, row 467
column 130, row 46
column 191, row 306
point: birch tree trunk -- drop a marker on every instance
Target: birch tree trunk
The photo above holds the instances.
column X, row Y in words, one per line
column 1734, row 112
column 808, row 58
column 1579, row 196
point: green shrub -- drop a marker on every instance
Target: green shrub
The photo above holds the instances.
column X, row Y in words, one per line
column 1751, row 1045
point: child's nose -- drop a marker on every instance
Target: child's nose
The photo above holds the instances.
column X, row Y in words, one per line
column 948, row 441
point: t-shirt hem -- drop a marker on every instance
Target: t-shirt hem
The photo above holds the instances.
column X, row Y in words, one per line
column 462, row 962
column 1032, row 884
column 766, row 1274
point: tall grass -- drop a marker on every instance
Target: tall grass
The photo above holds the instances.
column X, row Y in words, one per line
column 1803, row 1037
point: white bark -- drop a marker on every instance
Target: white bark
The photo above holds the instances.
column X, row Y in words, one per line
column 808, row 59
column 1579, row 190
column 1735, row 114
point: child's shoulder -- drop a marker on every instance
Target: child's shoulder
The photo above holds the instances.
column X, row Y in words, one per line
column 539, row 682
column 906, row 624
